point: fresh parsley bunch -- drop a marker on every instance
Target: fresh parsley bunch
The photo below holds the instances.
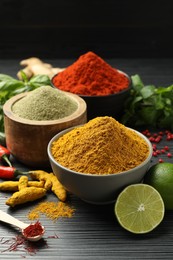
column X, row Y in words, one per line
column 149, row 105
column 10, row 87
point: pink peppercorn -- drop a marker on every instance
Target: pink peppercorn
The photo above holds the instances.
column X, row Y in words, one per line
column 158, row 151
column 160, row 160
column 158, row 139
column 154, row 153
column 152, row 139
column 162, row 151
column 169, row 155
column 166, row 148
column 154, row 147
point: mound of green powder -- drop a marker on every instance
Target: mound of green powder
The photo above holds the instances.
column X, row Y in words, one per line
column 45, row 103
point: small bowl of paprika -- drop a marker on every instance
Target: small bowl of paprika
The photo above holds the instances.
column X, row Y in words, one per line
column 103, row 87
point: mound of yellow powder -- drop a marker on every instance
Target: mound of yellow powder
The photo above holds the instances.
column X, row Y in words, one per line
column 101, row 146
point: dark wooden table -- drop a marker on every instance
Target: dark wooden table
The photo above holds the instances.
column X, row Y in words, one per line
column 93, row 232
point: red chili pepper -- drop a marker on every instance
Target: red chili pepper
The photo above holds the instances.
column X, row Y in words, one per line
column 4, row 155
column 7, row 172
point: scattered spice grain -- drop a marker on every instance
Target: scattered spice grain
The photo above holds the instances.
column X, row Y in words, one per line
column 45, row 103
column 52, row 210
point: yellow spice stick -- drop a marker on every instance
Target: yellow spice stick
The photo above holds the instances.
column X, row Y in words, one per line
column 25, row 195
column 51, row 182
column 42, row 176
column 38, row 184
column 9, row 186
column 23, row 182
column 58, row 188
column 14, row 185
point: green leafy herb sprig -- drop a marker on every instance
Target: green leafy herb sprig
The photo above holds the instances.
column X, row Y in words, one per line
column 149, row 105
column 10, row 87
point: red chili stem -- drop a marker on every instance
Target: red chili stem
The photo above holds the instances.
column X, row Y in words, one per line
column 6, row 159
column 7, row 172
column 4, row 155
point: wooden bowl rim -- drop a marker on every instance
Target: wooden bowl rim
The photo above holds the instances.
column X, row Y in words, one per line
column 82, row 107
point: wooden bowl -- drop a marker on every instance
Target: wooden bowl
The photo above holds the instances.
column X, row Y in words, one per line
column 27, row 139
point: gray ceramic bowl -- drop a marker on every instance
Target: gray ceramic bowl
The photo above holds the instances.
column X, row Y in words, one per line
column 97, row 189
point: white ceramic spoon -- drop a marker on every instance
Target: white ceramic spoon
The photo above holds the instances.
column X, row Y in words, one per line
column 14, row 221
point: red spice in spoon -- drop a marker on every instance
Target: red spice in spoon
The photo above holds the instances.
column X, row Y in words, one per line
column 33, row 230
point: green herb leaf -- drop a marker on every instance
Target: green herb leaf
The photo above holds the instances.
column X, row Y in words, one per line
column 147, row 91
column 2, row 139
column 137, row 82
column 40, row 80
column 148, row 105
column 4, row 77
column 24, row 77
column 10, row 87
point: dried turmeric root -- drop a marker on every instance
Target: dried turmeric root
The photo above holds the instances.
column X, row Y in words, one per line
column 25, row 195
column 36, row 184
column 51, row 182
column 42, row 176
column 14, row 185
column 23, row 182
column 57, row 188
column 42, row 181
column 9, row 186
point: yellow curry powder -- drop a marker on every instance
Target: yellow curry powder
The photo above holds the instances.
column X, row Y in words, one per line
column 52, row 210
column 101, row 146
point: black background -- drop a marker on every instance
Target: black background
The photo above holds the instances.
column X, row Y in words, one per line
column 68, row 28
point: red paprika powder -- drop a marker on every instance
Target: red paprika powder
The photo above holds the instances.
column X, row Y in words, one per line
column 90, row 75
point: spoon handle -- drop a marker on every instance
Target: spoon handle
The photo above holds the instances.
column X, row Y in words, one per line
column 11, row 220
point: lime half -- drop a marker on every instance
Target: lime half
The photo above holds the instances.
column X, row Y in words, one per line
column 139, row 208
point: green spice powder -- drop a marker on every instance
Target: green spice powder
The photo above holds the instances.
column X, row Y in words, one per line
column 45, row 103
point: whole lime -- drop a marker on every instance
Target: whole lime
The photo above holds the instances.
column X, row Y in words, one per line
column 160, row 176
